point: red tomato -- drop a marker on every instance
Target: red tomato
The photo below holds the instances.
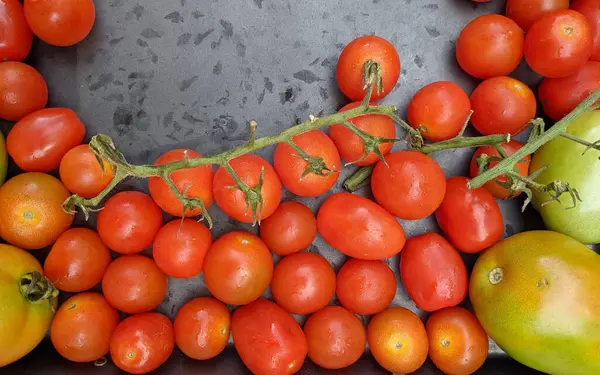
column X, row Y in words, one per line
column 268, row 339
column 336, row 337
column 303, row 283
column 470, row 218
column 490, row 46
column 134, row 284
column 194, row 183
column 411, row 187
column 492, row 186
column 591, row 10
column 359, row 228
column 365, row 287
column 502, row 105
column 350, row 66
column 202, row 328
column 22, row 90
column 526, row 12
column 141, row 343
column 559, row 43
column 81, row 173
column 17, row 38
column 129, row 222
column 77, row 260
column 233, row 201
column 180, row 246
column 290, row 229
column 238, row 268
column 82, row 327
column 439, row 110
column 351, row 147
column 38, row 142
column 60, row 22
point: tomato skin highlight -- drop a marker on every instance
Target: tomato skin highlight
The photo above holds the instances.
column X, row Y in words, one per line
column 81, row 173
column 23, row 90
column 290, row 229
column 526, row 12
column 591, row 10
column 16, row 34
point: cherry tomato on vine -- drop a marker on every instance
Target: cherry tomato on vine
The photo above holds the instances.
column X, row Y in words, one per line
column 81, row 173
column 290, row 229
column 526, row 12
column 591, row 10
column 16, row 35
column 22, row 90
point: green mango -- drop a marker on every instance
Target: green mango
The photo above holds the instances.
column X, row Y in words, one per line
column 3, row 159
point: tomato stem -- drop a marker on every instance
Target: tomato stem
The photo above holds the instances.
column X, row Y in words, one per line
column 589, row 145
column 37, row 289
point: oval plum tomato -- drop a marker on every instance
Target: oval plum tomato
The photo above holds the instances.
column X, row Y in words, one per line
column 526, row 12
column 336, row 337
column 39, row 141
column 238, row 268
column 141, row 343
column 350, row 66
column 290, row 229
column 22, row 90
column 81, row 173
column 433, row 273
column 193, row 182
column 398, row 340
column 292, row 168
column 16, row 34
column 365, row 287
column 458, row 345
column 129, row 222
column 502, row 105
column 470, row 218
column 202, row 328
column 233, row 201
column 82, row 327
column 134, row 284
column 180, row 246
column 60, row 22
column 31, row 214
column 591, row 10
column 77, row 260
column 303, row 283
column 268, row 339
column 351, row 147
column 490, row 46
column 493, row 187
column 359, row 228
column 439, row 110
column 411, row 186
column 559, row 43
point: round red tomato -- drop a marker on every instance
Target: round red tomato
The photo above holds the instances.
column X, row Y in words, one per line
column 559, row 43
column 134, row 284
column 81, row 173
column 180, row 246
column 526, row 12
column 365, row 287
column 290, row 229
column 350, row 66
column 77, row 260
column 22, row 90
column 129, row 222
column 439, row 110
column 141, row 343
column 233, row 201
column 591, row 10
column 470, row 218
column 351, row 147
column 303, row 283
column 193, row 182
column 16, row 36
column 502, row 105
column 490, row 46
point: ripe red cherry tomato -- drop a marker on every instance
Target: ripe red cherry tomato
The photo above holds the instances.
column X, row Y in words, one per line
column 17, row 38
column 81, row 173
column 349, row 70
column 526, row 12
column 559, row 43
column 433, row 272
column 591, row 10
column 502, row 105
column 490, row 46
column 22, row 90
column 290, row 229
column 470, row 218
column 411, row 187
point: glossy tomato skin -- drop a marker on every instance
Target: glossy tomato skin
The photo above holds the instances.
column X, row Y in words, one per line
column 591, row 10
column 490, row 46
column 411, row 186
column 38, row 142
column 351, row 147
column 22, row 90
column 470, row 218
column 359, row 228
column 526, row 12
column 81, row 173
column 16, row 34
column 433, row 273
column 82, row 327
column 268, row 339
column 290, row 229
column 194, row 183
column 350, row 66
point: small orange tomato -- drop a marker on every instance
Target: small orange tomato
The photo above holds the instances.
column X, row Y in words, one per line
column 81, row 172
column 290, row 229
